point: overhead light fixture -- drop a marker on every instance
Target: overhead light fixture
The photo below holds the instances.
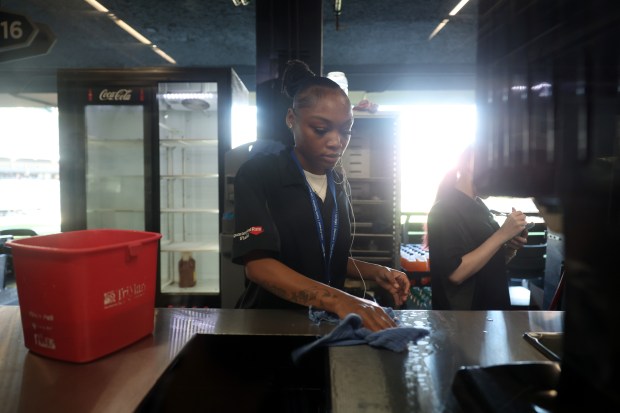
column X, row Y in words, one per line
column 99, row 7
column 164, row 55
column 241, row 2
column 458, row 7
column 337, row 12
column 454, row 11
column 438, row 28
column 129, row 29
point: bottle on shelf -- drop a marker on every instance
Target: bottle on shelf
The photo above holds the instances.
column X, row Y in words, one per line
column 187, row 270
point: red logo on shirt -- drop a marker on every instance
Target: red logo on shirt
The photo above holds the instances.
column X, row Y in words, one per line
column 256, row 230
column 246, row 234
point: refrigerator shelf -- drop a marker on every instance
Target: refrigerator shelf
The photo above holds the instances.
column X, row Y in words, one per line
column 113, row 210
column 110, row 176
column 186, row 246
column 187, row 176
column 173, row 143
column 115, row 141
column 189, row 210
column 207, row 286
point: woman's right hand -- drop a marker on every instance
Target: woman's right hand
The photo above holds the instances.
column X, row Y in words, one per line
column 373, row 315
column 514, row 224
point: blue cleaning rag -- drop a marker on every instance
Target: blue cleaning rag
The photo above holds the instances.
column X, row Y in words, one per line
column 350, row 332
column 316, row 316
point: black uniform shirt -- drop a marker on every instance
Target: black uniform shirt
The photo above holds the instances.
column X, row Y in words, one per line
column 273, row 213
column 457, row 225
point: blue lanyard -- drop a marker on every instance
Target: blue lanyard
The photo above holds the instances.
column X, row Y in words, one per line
column 318, row 218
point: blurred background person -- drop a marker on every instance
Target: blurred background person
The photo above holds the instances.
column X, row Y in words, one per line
column 468, row 250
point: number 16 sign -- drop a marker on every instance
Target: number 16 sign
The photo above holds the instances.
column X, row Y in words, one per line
column 20, row 37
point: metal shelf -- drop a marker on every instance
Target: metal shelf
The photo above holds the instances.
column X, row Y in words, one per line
column 371, row 166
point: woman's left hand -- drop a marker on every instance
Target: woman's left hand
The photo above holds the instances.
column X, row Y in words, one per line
column 395, row 282
column 518, row 241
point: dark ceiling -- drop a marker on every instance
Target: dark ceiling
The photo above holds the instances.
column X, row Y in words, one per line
column 380, row 45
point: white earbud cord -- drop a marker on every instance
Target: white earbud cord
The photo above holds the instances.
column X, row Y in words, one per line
column 347, row 190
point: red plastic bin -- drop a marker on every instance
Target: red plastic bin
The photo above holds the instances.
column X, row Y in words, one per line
column 85, row 294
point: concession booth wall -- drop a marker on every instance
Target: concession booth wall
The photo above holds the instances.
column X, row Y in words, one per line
column 549, row 106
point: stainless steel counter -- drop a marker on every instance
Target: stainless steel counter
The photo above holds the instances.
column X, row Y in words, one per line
column 362, row 378
column 420, row 380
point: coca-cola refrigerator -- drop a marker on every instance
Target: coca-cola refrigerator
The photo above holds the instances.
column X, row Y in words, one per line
column 143, row 149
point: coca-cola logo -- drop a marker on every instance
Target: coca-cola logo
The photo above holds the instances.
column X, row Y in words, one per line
column 120, row 94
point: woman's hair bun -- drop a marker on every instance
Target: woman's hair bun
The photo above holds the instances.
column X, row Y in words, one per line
column 295, row 74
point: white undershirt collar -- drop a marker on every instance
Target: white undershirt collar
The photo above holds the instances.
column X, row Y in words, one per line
column 318, row 183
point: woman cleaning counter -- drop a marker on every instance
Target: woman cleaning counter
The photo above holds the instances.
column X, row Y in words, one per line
column 383, row 381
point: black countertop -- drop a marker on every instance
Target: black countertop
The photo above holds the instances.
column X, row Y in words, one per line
column 361, row 378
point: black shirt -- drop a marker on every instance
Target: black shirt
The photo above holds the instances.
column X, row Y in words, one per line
column 273, row 213
column 457, row 225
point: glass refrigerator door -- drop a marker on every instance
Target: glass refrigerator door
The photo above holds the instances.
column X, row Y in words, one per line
column 189, row 190
column 115, row 167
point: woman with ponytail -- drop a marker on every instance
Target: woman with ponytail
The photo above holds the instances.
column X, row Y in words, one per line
column 468, row 250
column 292, row 228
